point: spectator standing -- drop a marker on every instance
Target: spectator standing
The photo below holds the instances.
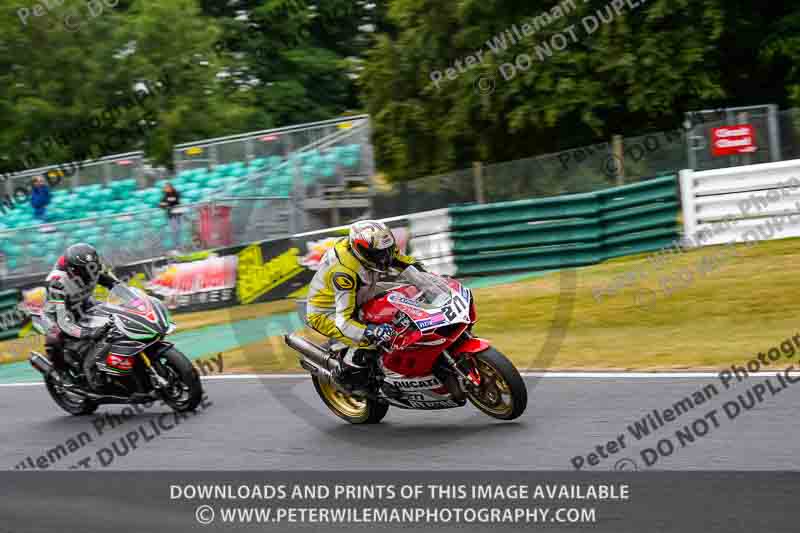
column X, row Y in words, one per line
column 40, row 198
column 169, row 202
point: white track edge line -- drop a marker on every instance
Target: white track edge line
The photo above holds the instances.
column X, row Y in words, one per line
column 558, row 375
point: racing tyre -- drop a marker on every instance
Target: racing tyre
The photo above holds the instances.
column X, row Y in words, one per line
column 185, row 391
column 72, row 404
column 502, row 393
column 354, row 410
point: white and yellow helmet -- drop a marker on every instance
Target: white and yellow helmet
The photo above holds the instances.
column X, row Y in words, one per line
column 373, row 244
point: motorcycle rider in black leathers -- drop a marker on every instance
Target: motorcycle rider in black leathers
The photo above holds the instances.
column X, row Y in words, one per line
column 70, row 286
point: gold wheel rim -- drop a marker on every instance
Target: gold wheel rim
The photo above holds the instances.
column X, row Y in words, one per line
column 343, row 403
column 494, row 394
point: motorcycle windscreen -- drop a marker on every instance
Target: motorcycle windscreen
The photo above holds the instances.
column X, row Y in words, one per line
column 434, row 290
column 130, row 299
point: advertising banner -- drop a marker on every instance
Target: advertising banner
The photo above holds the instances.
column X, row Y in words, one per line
column 208, row 283
column 270, row 270
column 731, row 140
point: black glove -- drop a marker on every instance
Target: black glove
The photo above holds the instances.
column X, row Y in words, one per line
column 379, row 334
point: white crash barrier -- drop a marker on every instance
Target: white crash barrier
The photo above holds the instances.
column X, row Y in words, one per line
column 430, row 240
column 754, row 202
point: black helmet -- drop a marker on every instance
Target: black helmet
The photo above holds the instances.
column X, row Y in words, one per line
column 82, row 261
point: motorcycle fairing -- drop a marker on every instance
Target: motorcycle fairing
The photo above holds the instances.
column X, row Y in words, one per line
column 428, row 317
column 420, row 392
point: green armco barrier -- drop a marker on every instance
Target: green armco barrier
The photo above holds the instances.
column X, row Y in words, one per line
column 565, row 231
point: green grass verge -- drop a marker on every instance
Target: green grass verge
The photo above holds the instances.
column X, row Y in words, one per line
column 742, row 301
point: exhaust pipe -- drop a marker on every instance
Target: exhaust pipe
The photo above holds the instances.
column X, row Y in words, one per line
column 40, row 363
column 313, row 356
column 43, row 365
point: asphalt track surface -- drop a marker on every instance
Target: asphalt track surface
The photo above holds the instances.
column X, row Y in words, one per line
column 280, row 424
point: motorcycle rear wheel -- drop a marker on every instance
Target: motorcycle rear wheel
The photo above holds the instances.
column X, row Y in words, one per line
column 502, row 393
column 346, row 407
column 76, row 407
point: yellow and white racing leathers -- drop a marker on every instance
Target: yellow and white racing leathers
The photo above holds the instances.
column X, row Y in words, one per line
column 333, row 296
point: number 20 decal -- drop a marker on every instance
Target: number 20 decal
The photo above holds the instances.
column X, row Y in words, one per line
column 451, row 311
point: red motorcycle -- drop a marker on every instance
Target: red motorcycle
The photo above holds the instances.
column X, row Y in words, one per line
column 433, row 362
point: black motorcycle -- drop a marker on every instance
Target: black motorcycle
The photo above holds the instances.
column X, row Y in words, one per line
column 140, row 367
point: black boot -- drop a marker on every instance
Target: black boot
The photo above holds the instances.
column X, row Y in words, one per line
column 93, row 356
column 54, row 350
column 354, row 369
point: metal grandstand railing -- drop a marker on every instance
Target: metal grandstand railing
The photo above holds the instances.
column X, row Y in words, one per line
column 281, row 142
column 78, row 173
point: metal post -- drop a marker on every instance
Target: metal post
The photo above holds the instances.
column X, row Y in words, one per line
column 742, row 118
column 212, row 152
column 619, row 157
column 249, row 153
column 774, row 133
column 298, row 197
column 477, row 173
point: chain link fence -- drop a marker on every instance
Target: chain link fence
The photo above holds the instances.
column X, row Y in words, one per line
column 584, row 169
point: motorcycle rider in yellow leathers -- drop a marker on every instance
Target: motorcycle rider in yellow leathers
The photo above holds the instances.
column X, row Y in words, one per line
column 346, row 278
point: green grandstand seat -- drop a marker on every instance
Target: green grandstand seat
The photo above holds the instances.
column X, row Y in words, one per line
column 217, row 183
column 351, row 155
column 222, row 169
column 193, row 196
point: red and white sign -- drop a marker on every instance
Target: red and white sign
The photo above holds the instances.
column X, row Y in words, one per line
column 730, row 140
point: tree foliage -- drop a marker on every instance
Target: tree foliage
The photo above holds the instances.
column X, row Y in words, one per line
column 635, row 73
column 241, row 65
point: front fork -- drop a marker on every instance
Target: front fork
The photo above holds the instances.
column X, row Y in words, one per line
column 465, row 350
column 156, row 379
column 469, row 378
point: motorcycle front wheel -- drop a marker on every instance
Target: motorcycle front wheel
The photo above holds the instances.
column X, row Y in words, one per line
column 502, row 393
column 354, row 410
column 185, row 391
